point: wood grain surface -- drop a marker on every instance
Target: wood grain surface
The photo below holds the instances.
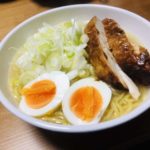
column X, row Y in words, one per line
column 15, row 134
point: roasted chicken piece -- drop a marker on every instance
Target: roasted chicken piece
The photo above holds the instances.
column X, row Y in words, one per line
column 134, row 62
column 103, row 61
column 97, row 57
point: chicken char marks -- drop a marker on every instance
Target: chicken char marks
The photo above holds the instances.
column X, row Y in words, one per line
column 97, row 57
column 135, row 63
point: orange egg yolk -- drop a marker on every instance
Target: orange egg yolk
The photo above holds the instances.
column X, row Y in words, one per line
column 86, row 102
column 39, row 94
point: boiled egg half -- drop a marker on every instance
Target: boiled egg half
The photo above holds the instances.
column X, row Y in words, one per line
column 86, row 101
column 44, row 94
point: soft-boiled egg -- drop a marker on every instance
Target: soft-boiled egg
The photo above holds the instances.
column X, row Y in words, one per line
column 44, row 94
column 86, row 101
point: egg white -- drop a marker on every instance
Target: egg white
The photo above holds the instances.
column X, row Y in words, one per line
column 62, row 83
column 102, row 88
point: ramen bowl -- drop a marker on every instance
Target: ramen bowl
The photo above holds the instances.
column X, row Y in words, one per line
column 130, row 22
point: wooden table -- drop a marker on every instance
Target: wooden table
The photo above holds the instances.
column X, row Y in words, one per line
column 15, row 134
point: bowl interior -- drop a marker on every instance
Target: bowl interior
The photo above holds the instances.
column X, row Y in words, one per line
column 129, row 21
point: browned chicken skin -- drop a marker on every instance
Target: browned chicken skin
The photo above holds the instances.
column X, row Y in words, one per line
column 135, row 63
column 96, row 56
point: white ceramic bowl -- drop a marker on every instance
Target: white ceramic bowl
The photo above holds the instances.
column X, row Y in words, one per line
column 129, row 21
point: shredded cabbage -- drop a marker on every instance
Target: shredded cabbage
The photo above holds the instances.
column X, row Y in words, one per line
column 60, row 47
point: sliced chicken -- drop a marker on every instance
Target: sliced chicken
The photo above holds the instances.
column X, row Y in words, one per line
column 97, row 57
column 102, row 59
column 133, row 59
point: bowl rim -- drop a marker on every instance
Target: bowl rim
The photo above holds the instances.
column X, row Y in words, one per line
column 72, row 129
